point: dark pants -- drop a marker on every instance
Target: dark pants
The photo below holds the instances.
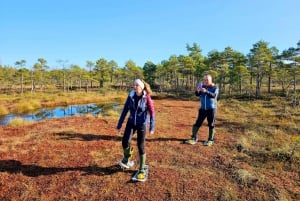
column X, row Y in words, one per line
column 141, row 136
column 209, row 114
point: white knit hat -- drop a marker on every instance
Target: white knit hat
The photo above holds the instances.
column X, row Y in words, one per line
column 140, row 83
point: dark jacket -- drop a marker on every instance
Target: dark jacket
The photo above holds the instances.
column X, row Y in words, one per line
column 138, row 116
column 209, row 98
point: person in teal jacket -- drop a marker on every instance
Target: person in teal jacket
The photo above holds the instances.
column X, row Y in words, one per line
column 139, row 104
column 208, row 93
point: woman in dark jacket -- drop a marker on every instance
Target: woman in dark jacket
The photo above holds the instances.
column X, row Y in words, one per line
column 139, row 104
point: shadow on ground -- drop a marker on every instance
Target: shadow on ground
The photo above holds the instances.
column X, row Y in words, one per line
column 92, row 137
column 86, row 137
column 15, row 167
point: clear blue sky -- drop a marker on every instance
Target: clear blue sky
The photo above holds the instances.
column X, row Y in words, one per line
column 140, row 30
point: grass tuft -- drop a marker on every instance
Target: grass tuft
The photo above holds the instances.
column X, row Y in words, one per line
column 227, row 195
column 26, row 106
column 18, row 122
column 3, row 110
column 112, row 113
column 244, row 177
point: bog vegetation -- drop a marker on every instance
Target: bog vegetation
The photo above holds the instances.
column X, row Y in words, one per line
column 257, row 156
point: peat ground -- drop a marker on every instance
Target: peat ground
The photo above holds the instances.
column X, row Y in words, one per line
column 74, row 159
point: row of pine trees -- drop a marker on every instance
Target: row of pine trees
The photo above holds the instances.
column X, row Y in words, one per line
column 254, row 74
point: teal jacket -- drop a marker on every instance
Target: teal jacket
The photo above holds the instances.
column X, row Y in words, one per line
column 209, row 98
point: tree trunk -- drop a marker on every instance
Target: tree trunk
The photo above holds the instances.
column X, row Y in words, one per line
column 22, row 80
column 32, row 82
column 294, row 91
column 258, row 85
column 269, row 79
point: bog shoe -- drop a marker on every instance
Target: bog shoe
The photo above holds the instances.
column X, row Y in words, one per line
column 141, row 176
column 208, row 143
column 127, row 165
column 192, row 141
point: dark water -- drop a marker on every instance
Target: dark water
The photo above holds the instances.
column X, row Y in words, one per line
column 58, row 112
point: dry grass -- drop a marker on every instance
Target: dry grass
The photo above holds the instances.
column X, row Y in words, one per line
column 26, row 106
column 32, row 101
column 261, row 124
column 112, row 113
column 227, row 194
column 18, row 121
column 245, row 178
column 3, row 110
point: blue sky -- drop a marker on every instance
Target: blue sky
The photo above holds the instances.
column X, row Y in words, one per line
column 76, row 31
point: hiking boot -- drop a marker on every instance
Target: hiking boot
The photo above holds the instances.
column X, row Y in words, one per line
column 191, row 141
column 126, row 162
column 141, row 176
column 208, row 143
column 127, row 165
